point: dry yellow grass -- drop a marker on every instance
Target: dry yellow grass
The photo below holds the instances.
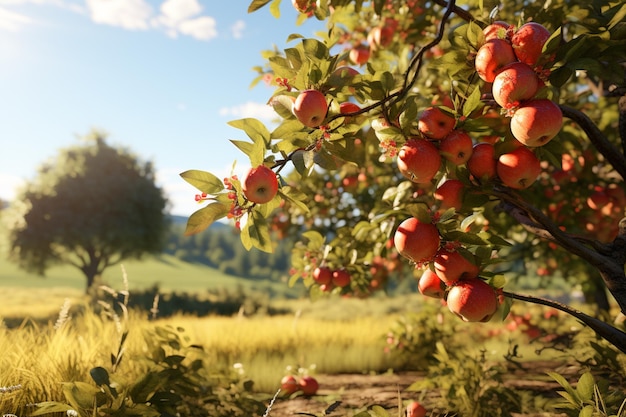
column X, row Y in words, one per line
column 39, row 357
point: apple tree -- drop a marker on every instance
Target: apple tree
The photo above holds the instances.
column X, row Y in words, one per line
column 91, row 207
column 461, row 143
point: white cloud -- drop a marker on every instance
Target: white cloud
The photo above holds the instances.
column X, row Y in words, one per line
column 182, row 17
column 127, row 14
column 249, row 109
column 178, row 10
column 174, row 17
column 238, row 28
column 11, row 21
column 202, row 28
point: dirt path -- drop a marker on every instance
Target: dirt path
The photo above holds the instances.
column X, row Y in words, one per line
column 358, row 392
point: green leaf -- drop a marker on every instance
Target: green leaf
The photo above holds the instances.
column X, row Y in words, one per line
column 315, row 48
column 572, row 396
column 275, row 9
column 498, row 281
column 80, row 394
column 100, row 376
column 472, row 103
column 141, row 391
column 245, row 147
column 618, row 17
column 203, row 181
column 260, row 138
column 466, row 238
column 316, row 240
column 256, row 233
column 203, row 218
column 498, row 241
column 586, row 411
column 505, row 308
column 378, row 411
column 294, row 36
column 49, row 407
column 474, row 34
column 282, row 105
column 295, row 197
column 585, row 387
column 256, row 5
column 553, row 42
column 559, row 76
column 421, row 212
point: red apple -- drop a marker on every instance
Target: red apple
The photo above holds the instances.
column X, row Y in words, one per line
column 434, row 123
column 418, row 160
column 308, row 385
column 472, row 300
column 415, row 409
column 536, row 122
column 380, row 37
column 310, row 108
column 514, row 83
column 289, row 384
column 416, row 240
column 304, row 6
column 360, row 54
column 322, row 275
column 341, row 278
column 456, row 147
column 260, row 185
column 348, row 107
column 519, row 168
column 528, row 41
column 491, row 57
column 482, row 162
column 450, row 194
column 452, row 266
column 430, row 284
column 497, row 30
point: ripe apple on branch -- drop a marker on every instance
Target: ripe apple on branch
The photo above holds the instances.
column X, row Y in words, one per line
column 464, row 133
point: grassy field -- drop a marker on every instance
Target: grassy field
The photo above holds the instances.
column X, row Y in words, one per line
column 170, row 273
column 22, row 292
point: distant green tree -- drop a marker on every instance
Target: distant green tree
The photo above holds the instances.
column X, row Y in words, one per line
column 91, row 207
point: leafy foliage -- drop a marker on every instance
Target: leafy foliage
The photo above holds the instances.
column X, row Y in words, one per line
column 91, row 207
column 341, row 188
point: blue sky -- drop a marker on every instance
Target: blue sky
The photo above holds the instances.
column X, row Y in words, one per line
column 161, row 77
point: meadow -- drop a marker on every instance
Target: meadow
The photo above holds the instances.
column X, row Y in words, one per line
column 22, row 292
column 60, row 339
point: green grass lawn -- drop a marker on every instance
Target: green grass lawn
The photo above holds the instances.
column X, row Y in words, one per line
column 27, row 294
column 168, row 272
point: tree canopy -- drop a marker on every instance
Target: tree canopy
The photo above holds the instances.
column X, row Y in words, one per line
column 91, row 206
column 500, row 124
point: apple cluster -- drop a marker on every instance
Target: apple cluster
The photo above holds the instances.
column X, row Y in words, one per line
column 451, row 273
column 289, row 384
column 328, row 278
column 509, row 60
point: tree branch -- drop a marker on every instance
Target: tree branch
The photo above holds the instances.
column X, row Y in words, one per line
column 540, row 231
column 601, row 143
column 610, row 266
column 615, row 91
column 613, row 335
column 462, row 13
column 414, row 65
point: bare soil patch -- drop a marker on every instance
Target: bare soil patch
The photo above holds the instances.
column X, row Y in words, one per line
column 361, row 391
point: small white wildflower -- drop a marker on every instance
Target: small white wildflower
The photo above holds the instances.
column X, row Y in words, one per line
column 239, row 368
